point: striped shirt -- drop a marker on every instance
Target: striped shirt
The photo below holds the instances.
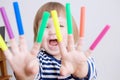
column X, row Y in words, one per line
column 50, row 68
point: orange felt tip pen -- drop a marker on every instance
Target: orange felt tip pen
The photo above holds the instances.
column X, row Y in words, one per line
column 82, row 21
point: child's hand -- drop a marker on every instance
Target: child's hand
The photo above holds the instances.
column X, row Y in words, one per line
column 23, row 62
column 74, row 61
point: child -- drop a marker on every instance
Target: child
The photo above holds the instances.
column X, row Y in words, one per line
column 57, row 60
column 50, row 57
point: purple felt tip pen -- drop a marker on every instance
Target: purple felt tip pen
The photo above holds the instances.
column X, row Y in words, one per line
column 6, row 22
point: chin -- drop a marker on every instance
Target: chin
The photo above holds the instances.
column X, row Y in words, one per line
column 53, row 52
column 56, row 54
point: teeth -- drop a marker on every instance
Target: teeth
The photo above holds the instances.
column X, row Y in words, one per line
column 53, row 42
column 54, row 39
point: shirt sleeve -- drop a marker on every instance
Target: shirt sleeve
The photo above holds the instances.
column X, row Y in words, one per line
column 92, row 73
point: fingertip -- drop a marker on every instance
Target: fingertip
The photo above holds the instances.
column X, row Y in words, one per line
column 63, row 50
column 71, row 44
column 80, row 44
column 3, row 45
column 70, row 37
column 35, row 48
column 22, row 39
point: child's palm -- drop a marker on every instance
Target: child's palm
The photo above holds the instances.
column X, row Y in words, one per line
column 21, row 60
column 73, row 59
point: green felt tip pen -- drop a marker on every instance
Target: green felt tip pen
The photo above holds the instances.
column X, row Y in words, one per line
column 42, row 26
column 69, row 19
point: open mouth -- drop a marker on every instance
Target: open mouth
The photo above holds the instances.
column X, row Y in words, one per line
column 53, row 42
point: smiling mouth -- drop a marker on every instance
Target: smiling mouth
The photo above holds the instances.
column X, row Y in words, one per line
column 53, row 42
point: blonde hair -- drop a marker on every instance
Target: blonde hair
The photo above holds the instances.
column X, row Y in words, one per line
column 48, row 7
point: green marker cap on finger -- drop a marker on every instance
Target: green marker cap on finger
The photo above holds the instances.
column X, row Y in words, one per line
column 42, row 26
column 69, row 19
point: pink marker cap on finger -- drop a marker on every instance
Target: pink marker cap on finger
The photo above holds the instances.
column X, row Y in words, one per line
column 100, row 36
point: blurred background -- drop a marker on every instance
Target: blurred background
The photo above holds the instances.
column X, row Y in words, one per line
column 98, row 14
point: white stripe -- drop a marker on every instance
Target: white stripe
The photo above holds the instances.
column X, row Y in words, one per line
column 92, row 68
column 50, row 66
column 43, row 61
column 49, row 76
column 63, row 77
column 51, row 71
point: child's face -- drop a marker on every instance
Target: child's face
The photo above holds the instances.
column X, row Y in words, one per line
column 50, row 43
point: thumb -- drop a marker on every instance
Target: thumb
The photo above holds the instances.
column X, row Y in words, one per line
column 88, row 53
column 64, row 71
column 32, row 67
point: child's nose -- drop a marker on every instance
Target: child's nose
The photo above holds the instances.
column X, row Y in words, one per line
column 52, row 30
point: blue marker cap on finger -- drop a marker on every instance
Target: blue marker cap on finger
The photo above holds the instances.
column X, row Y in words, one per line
column 18, row 18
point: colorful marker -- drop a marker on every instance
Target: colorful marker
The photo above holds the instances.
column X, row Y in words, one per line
column 3, row 45
column 69, row 19
column 6, row 22
column 18, row 18
column 56, row 25
column 42, row 26
column 100, row 36
column 82, row 22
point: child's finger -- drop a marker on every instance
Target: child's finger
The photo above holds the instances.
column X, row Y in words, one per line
column 5, row 49
column 69, row 28
column 58, row 32
column 79, row 44
column 70, row 45
column 63, row 50
column 56, row 25
column 35, row 48
column 8, row 55
column 3, row 45
column 32, row 67
column 22, row 43
column 40, row 33
column 42, row 26
column 82, row 26
column 14, row 46
column 88, row 53
column 64, row 71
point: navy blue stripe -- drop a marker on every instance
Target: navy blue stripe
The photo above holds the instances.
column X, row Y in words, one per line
column 55, row 74
column 49, row 79
column 43, row 63
column 53, row 68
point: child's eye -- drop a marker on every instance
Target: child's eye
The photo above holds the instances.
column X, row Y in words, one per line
column 61, row 25
column 47, row 26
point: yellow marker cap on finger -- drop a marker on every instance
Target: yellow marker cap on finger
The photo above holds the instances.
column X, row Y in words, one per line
column 3, row 45
column 56, row 25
